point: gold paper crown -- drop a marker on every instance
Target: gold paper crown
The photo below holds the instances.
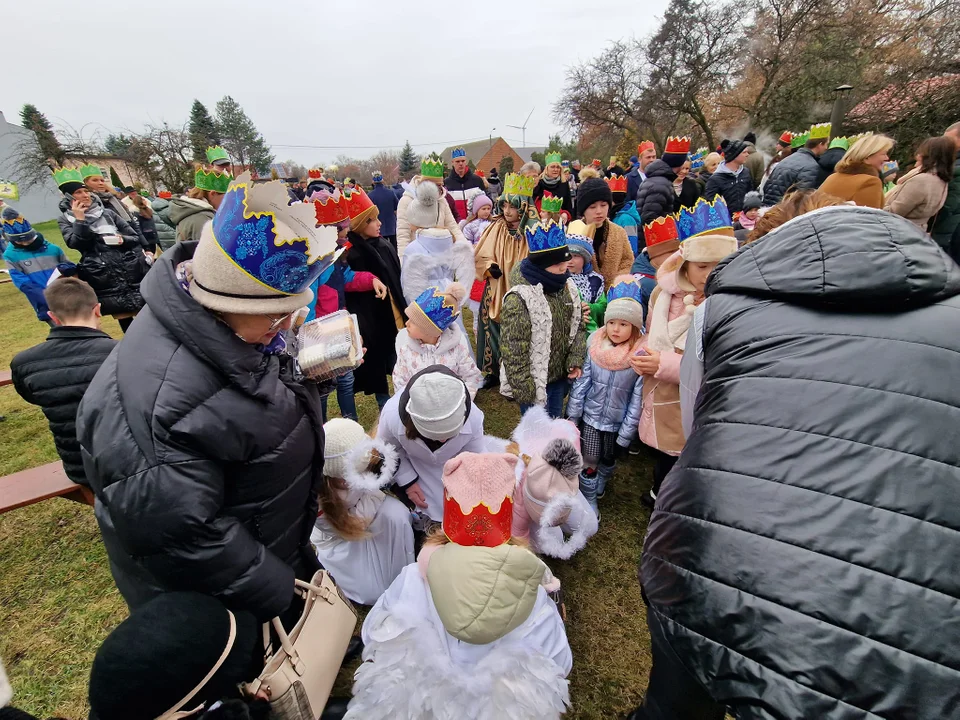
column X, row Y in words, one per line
column 820, row 131
column 515, row 184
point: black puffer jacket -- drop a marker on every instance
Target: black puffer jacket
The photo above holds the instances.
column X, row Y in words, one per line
column 205, row 455
column 828, row 162
column 656, row 197
column 732, row 187
column 54, row 375
column 800, row 171
column 113, row 271
column 803, row 553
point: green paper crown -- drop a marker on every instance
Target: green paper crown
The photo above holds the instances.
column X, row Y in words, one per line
column 551, row 204
column 67, row 175
column 853, row 140
column 432, row 167
column 90, row 171
column 820, row 131
column 840, row 142
column 215, row 181
column 515, row 184
column 216, row 153
column 553, row 157
column 800, row 139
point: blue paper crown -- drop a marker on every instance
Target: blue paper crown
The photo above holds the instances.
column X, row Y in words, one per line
column 564, row 163
column 250, row 239
column 625, row 290
column 437, row 307
column 458, row 153
column 704, row 218
column 16, row 225
column 545, row 236
column 377, row 176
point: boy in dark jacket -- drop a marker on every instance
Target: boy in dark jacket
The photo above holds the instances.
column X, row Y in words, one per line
column 30, row 259
column 732, row 180
column 656, row 196
column 55, row 374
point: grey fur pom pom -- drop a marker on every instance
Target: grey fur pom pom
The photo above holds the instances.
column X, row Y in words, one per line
column 564, row 456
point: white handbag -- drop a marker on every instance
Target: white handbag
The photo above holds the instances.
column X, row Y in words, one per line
column 299, row 676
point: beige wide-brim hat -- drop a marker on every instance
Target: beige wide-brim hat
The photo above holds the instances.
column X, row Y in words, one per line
column 221, row 285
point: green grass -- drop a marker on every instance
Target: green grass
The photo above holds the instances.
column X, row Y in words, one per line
column 58, row 600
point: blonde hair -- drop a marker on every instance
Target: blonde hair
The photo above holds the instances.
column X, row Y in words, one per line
column 711, row 162
column 196, row 193
column 438, row 538
column 862, row 149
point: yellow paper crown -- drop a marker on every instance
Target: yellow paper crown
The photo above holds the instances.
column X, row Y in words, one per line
column 820, row 131
column 515, row 184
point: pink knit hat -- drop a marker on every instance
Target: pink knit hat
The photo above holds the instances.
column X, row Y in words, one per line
column 478, row 498
column 552, row 474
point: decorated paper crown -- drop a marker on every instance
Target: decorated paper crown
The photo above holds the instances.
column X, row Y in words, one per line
column 90, row 171
column 646, row 145
column 625, row 289
column 432, row 167
column 440, row 309
column 696, row 162
column 314, row 174
column 217, row 155
column 786, row 137
column 480, row 173
column 275, row 243
column 840, row 142
column 551, row 204
column 854, row 139
column 704, row 218
column 213, row 181
column 820, row 131
column 661, row 230
column 65, row 176
column 14, row 224
column 331, row 210
column 703, row 151
column 799, row 139
column 596, row 162
column 565, row 163
column 458, row 153
column 515, row 184
column 377, row 176
column 552, row 157
column 677, row 146
column 478, row 511
column 617, row 183
column 357, row 201
column 164, row 194
column 545, row 236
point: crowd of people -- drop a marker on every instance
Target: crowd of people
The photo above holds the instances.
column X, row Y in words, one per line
column 780, row 336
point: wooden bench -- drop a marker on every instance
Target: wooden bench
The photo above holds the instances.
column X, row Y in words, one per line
column 5, row 378
column 40, row 483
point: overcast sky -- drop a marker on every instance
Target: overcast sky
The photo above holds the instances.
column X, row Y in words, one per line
column 370, row 74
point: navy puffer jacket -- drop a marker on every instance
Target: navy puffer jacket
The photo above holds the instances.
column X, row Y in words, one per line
column 206, row 457
column 656, row 196
column 799, row 171
column 803, row 554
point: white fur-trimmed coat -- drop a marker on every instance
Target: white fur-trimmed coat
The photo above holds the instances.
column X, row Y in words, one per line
column 435, row 259
column 452, row 350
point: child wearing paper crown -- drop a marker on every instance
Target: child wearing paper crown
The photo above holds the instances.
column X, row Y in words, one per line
column 362, row 536
column 588, row 281
column 432, row 337
column 609, row 395
column 468, row 631
column 543, row 338
column 480, row 209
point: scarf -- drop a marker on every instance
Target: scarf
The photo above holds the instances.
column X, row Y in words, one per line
column 551, row 282
column 746, row 223
column 609, row 356
column 552, row 182
column 95, row 218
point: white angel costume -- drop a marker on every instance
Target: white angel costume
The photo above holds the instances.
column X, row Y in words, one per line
column 435, row 258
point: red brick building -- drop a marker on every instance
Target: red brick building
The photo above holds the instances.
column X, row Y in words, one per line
column 486, row 154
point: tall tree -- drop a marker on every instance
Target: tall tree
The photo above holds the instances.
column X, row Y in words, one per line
column 118, row 145
column 241, row 138
column 408, row 160
column 33, row 119
column 203, row 131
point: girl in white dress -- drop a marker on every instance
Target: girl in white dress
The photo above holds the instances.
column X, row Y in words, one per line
column 363, row 537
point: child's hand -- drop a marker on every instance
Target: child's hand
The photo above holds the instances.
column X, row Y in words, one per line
column 416, row 496
column 379, row 289
column 586, row 311
column 574, row 373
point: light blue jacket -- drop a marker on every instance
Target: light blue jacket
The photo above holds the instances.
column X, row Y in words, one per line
column 607, row 400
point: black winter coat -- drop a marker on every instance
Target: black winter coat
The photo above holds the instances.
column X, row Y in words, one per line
column 828, row 162
column 54, row 375
column 656, row 197
column 733, row 188
column 206, row 457
column 800, row 171
column 560, row 189
column 689, row 193
column 113, row 271
column 378, row 327
column 802, row 557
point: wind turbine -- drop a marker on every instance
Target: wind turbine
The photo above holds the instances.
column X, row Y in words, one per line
column 523, row 127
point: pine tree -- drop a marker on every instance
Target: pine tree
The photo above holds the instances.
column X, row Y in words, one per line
column 241, row 138
column 203, row 131
column 408, row 160
column 506, row 165
column 115, row 179
column 33, row 119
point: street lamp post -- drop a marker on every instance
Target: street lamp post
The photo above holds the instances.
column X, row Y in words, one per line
column 839, row 112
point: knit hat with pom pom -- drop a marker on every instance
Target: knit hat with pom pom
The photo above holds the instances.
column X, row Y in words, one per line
column 554, row 472
column 434, row 310
column 424, row 211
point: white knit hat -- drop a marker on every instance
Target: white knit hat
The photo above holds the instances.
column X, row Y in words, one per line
column 437, row 405
column 347, row 451
column 424, row 211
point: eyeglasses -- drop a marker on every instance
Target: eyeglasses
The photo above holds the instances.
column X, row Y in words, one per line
column 279, row 321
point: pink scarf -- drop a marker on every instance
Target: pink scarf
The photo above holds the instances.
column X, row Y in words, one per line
column 609, row 356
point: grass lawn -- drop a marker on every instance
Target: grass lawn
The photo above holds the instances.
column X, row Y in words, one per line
column 58, row 601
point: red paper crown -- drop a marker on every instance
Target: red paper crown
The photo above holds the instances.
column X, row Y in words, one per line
column 677, row 145
column 356, row 200
column 331, row 211
column 315, row 174
column 479, row 173
column 617, row 183
column 661, row 230
column 164, row 194
column 480, row 526
column 596, row 162
column 787, row 137
column 644, row 146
